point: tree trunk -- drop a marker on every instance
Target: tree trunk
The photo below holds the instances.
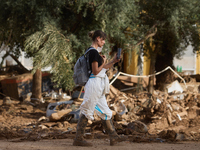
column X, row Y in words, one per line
column 37, row 85
column 152, row 71
column 163, row 61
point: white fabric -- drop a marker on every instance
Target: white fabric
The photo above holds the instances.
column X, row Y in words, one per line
column 94, row 97
column 102, row 74
column 99, row 49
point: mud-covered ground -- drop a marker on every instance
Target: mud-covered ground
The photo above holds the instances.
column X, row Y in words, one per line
column 21, row 127
column 101, row 144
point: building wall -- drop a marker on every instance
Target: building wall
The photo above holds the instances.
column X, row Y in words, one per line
column 190, row 62
column 187, row 61
column 130, row 62
column 197, row 64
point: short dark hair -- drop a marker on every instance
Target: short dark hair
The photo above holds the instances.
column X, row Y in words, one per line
column 98, row 33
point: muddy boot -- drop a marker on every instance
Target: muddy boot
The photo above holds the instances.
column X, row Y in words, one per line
column 110, row 129
column 79, row 140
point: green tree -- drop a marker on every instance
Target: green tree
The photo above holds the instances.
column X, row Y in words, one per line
column 54, row 33
column 20, row 19
column 67, row 38
column 175, row 22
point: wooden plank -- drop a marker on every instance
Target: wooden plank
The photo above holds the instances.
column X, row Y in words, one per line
column 145, row 80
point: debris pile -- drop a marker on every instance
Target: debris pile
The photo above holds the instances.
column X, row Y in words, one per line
column 172, row 115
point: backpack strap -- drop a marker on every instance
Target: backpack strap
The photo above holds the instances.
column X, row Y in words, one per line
column 87, row 59
column 91, row 48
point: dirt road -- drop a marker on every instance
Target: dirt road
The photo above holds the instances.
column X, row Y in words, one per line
column 103, row 144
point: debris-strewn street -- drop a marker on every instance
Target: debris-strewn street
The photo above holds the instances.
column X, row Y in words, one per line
column 161, row 117
column 110, row 74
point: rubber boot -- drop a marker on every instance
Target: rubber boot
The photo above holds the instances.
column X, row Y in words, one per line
column 79, row 140
column 110, row 129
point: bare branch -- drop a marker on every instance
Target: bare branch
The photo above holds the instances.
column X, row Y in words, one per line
column 148, row 35
column 19, row 63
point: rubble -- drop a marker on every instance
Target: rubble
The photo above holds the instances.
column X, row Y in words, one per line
column 7, row 100
column 162, row 116
column 59, row 114
column 174, row 87
column 137, row 126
